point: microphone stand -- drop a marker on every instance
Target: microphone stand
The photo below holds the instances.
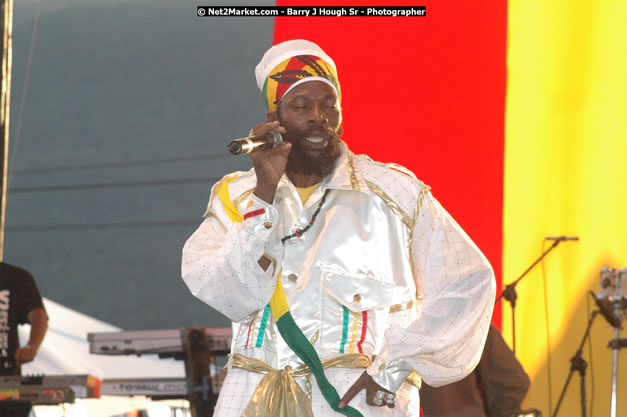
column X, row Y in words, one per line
column 620, row 303
column 577, row 363
column 615, row 344
column 509, row 293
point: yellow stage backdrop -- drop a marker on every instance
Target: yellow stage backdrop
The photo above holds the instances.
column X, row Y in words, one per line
column 565, row 173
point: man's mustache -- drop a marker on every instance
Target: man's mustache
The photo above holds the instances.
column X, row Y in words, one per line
column 320, row 131
column 325, row 132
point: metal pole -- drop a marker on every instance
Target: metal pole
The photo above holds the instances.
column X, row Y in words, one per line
column 620, row 275
column 509, row 293
column 514, row 327
column 613, row 403
column 6, row 30
column 577, row 363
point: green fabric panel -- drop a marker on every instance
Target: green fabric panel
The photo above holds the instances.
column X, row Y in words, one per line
column 299, row 344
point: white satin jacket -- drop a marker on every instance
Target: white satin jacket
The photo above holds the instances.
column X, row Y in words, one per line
column 384, row 271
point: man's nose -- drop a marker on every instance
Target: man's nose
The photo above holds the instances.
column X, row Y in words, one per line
column 318, row 115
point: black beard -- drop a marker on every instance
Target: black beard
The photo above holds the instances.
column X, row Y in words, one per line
column 301, row 163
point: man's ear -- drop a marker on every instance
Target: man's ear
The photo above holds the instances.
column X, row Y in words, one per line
column 271, row 116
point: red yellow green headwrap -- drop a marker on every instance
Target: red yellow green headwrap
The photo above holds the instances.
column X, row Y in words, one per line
column 290, row 63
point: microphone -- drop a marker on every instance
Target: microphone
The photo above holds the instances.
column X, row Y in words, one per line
column 605, row 307
column 561, row 238
column 253, row 143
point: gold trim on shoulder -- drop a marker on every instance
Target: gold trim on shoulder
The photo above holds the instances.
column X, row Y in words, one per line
column 239, row 199
column 421, row 198
column 351, row 171
column 210, row 213
column 391, row 204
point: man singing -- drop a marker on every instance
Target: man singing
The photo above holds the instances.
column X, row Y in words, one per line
column 346, row 281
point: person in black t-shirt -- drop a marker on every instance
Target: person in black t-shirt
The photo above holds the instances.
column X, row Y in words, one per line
column 20, row 302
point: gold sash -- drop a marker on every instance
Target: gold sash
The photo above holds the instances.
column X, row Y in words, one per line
column 279, row 395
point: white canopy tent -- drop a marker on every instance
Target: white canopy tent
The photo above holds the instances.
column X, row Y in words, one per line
column 65, row 351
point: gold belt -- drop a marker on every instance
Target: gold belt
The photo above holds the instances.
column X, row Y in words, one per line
column 279, row 395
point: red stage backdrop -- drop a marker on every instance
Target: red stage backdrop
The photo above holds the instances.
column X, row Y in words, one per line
column 427, row 93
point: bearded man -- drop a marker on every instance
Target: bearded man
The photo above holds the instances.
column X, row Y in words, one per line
column 345, row 280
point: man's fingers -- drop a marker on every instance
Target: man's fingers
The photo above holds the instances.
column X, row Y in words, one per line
column 23, row 355
column 378, row 396
column 19, row 357
column 269, row 156
column 262, row 129
column 353, row 390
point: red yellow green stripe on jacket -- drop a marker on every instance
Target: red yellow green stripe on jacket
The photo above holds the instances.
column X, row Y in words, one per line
column 354, row 330
column 289, row 330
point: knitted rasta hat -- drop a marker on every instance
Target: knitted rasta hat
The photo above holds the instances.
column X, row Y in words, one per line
column 290, row 63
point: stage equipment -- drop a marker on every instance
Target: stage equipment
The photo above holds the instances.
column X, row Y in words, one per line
column 578, row 363
column 197, row 346
column 50, row 389
column 509, row 293
column 612, row 283
column 612, row 301
column 155, row 388
column 165, row 343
